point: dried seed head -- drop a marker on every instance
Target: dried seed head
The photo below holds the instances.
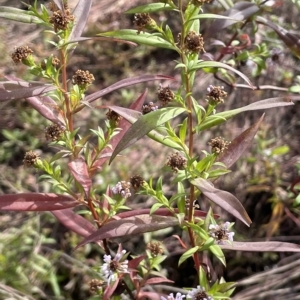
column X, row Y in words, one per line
column 165, row 95
column 144, row 21
column 218, row 145
column 193, row 42
column 83, row 78
column 96, row 285
column 30, row 159
column 155, row 248
column 53, row 132
column 215, row 94
column 21, row 54
column 136, row 181
column 55, row 61
column 148, row 108
column 61, row 19
column 113, row 117
column 176, row 162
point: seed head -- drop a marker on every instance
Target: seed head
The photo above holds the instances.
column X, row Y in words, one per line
column 96, row 285
column 136, row 181
column 218, row 145
column 165, row 95
column 155, row 248
column 53, row 132
column 144, row 21
column 22, row 54
column 200, row 2
column 215, row 94
column 193, row 43
column 30, row 159
column 113, row 117
column 176, row 162
column 83, row 78
column 61, row 19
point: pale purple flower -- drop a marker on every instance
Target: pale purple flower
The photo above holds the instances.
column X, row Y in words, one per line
column 112, row 267
column 122, row 188
column 221, row 233
column 171, row 297
column 198, row 294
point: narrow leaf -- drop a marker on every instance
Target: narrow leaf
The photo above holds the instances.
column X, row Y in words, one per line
column 144, row 125
column 187, row 254
column 222, row 198
column 238, row 146
column 124, row 83
column 74, row 222
column 262, row 246
column 81, row 13
column 36, row 202
column 14, row 90
column 143, row 38
column 18, row 15
column 217, row 64
column 47, row 107
column 221, row 117
column 239, row 12
column 130, row 226
column 80, row 172
column 157, row 280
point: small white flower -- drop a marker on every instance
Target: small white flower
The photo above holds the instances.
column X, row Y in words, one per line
column 198, row 293
column 122, row 188
column 112, row 267
column 171, row 297
column 221, row 233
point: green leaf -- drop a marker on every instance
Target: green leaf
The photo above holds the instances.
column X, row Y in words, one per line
column 221, row 117
column 281, row 150
column 187, row 254
column 182, row 131
column 144, row 125
column 217, row 64
column 217, row 251
column 150, row 8
column 143, row 38
column 18, row 15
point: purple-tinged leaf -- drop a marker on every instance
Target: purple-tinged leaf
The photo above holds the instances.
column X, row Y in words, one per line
column 130, row 226
column 291, row 40
column 74, row 222
column 79, row 170
column 47, row 107
column 222, row 198
column 262, row 246
column 239, row 12
column 133, row 263
column 14, row 90
column 124, row 83
column 238, row 146
column 36, row 202
column 144, row 125
column 81, row 14
column 149, row 295
column 157, row 280
column 109, row 290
